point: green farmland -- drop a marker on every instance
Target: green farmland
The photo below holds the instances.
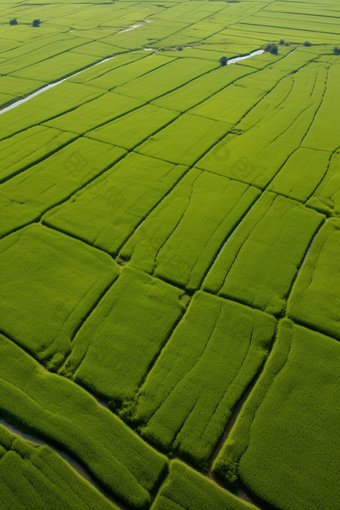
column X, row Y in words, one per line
column 170, row 255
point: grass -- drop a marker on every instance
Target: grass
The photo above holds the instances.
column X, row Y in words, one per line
column 55, row 284
column 298, row 390
column 260, row 261
column 43, row 477
column 314, row 300
column 28, row 195
column 207, row 364
column 181, row 237
column 108, row 211
column 55, row 408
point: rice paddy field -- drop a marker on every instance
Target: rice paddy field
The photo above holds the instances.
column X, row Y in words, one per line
column 170, row 255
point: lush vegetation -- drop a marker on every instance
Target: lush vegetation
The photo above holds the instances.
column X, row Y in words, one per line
column 298, row 390
column 169, row 250
column 209, row 361
column 46, row 480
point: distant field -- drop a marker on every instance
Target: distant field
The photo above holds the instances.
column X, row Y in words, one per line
column 170, row 255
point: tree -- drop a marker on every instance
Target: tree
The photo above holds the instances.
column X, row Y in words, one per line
column 272, row 48
column 223, row 61
column 307, row 43
column 13, row 21
column 281, row 42
column 36, row 23
column 336, row 50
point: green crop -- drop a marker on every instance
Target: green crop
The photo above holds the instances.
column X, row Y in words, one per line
column 181, row 237
column 54, row 281
column 112, row 207
column 28, row 195
column 33, row 476
column 315, row 298
column 29, row 147
column 324, row 133
column 45, row 106
column 211, row 358
column 301, row 174
column 166, row 78
column 268, row 135
column 185, row 140
column 326, row 197
column 260, row 261
column 231, row 103
column 278, row 446
column 123, row 336
column 133, row 128
column 185, row 489
column 95, row 113
column 130, row 71
column 57, row 409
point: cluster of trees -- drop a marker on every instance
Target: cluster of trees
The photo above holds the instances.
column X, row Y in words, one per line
column 272, row 48
column 284, row 43
column 36, row 22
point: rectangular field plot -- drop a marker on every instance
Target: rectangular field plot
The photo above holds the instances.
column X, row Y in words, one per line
column 185, row 489
column 271, row 131
column 95, row 113
column 180, row 238
column 54, row 281
column 113, row 350
column 326, row 197
column 105, row 67
column 130, row 71
column 301, row 174
column 167, row 78
column 325, row 133
column 185, row 140
column 201, row 88
column 37, row 475
column 112, row 207
column 233, row 102
column 28, row 195
column 29, row 147
column 56, row 409
column 19, row 87
column 45, row 106
column 211, row 358
column 133, row 128
column 285, row 444
column 315, row 297
column 57, row 67
column 258, row 264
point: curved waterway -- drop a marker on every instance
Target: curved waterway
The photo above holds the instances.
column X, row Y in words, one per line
column 51, row 85
column 237, row 59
